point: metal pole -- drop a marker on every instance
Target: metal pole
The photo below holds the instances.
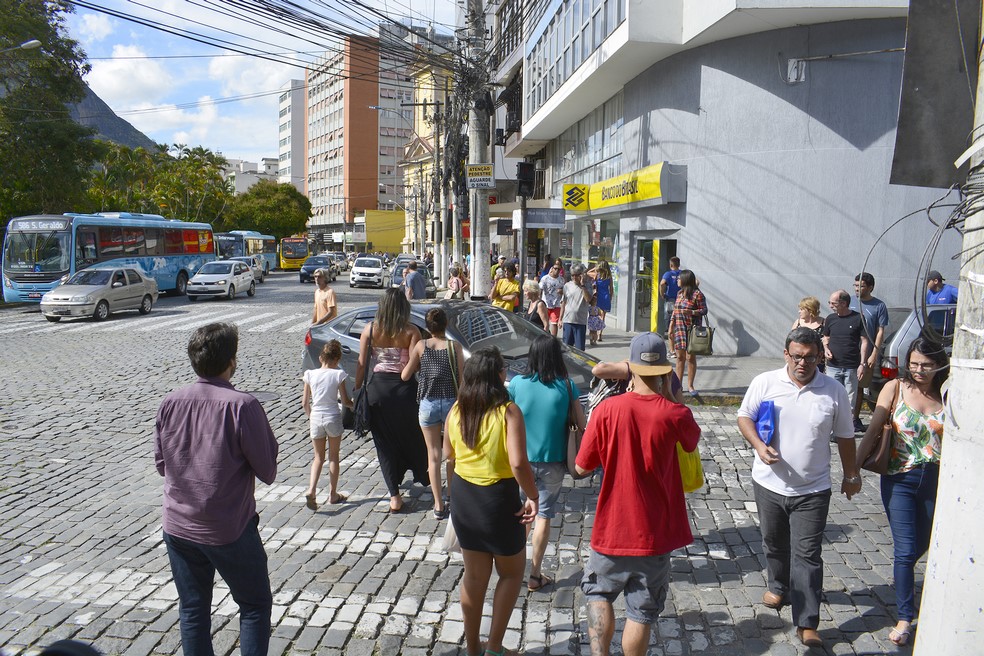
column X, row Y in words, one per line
column 478, row 138
column 521, row 246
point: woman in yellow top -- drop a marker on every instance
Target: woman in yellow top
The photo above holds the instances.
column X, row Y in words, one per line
column 505, row 291
column 488, row 443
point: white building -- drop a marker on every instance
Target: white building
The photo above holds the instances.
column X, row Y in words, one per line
column 292, row 121
column 243, row 174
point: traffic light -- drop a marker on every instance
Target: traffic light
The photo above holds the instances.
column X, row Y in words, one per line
column 524, row 179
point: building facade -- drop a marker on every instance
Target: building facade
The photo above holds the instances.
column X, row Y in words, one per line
column 242, row 174
column 756, row 145
column 292, row 123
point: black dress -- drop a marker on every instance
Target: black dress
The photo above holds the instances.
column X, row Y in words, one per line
column 534, row 317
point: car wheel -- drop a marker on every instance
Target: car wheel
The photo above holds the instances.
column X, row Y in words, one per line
column 252, row 289
column 101, row 311
column 181, row 284
column 262, row 277
column 232, row 292
column 351, row 284
column 54, row 319
column 300, row 280
column 146, row 304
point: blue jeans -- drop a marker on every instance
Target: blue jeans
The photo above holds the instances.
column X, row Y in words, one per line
column 243, row 566
column 792, row 539
column 848, row 377
column 910, row 501
column 574, row 334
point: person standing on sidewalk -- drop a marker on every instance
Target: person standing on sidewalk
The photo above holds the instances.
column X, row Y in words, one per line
column 791, row 474
column 574, row 307
column 874, row 318
column 552, row 288
column 669, row 287
column 844, row 340
column 633, row 437
column 325, row 306
column 689, row 310
column 211, row 443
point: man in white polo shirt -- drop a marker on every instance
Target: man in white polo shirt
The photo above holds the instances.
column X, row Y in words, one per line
column 791, row 474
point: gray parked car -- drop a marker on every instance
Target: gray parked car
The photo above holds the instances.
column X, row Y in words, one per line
column 904, row 326
column 255, row 264
column 472, row 324
column 97, row 291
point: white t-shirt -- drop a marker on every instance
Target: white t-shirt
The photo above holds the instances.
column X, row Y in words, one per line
column 806, row 418
column 324, row 385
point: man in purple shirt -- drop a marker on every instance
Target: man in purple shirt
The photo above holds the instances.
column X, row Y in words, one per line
column 211, row 443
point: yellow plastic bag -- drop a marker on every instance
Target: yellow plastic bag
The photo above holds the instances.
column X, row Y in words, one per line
column 691, row 471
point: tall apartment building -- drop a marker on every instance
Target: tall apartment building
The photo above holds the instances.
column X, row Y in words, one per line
column 293, row 110
column 352, row 149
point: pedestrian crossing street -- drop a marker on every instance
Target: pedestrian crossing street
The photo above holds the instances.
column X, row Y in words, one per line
column 254, row 318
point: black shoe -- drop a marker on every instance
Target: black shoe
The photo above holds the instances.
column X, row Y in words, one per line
column 859, row 427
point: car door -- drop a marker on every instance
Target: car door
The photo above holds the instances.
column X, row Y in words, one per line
column 135, row 289
column 243, row 276
column 118, row 293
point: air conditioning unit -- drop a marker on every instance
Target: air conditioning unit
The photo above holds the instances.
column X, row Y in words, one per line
column 540, row 165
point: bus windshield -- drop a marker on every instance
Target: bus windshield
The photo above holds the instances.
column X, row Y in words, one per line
column 230, row 246
column 48, row 252
column 294, row 248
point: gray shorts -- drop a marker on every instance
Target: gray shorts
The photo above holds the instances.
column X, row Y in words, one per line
column 548, row 477
column 643, row 579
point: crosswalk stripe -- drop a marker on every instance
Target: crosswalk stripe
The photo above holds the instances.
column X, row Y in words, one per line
column 21, row 325
column 298, row 328
column 193, row 318
column 276, row 322
column 259, row 317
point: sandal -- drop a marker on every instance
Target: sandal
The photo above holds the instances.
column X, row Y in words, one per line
column 311, row 501
column 339, row 498
column 900, row 638
column 541, row 581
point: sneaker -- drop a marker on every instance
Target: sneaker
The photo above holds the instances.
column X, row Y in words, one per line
column 859, row 427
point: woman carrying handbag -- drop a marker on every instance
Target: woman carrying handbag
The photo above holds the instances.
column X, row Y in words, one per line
column 910, row 464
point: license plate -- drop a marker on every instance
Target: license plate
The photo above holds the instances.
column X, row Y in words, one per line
column 34, row 294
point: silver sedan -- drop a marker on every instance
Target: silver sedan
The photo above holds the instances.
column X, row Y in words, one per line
column 96, row 292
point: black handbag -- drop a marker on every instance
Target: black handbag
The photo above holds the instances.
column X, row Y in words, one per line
column 360, row 412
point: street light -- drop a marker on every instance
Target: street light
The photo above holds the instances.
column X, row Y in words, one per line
column 27, row 45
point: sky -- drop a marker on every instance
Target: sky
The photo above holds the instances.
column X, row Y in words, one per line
column 176, row 90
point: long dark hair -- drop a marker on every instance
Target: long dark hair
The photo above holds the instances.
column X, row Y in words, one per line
column 934, row 351
column 482, row 390
column 688, row 283
column 546, row 360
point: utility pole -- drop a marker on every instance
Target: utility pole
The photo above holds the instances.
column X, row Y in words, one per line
column 950, row 612
column 478, row 139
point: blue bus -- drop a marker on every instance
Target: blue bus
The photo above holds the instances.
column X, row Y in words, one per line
column 238, row 243
column 41, row 251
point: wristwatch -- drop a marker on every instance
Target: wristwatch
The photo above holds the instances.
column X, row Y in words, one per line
column 853, row 480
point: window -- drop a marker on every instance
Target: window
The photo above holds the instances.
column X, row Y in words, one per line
column 152, row 241
column 86, row 252
column 110, row 243
column 133, row 277
column 173, row 243
column 133, row 242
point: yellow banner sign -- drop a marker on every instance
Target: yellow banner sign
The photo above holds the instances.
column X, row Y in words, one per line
column 634, row 187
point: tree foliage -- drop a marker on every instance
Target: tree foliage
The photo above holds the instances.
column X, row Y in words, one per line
column 270, row 208
column 46, row 155
column 178, row 182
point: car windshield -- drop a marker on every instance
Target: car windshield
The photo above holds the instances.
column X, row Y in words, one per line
column 368, row 263
column 316, row 261
column 90, row 277
column 212, row 268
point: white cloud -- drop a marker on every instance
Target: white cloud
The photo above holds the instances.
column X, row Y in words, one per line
column 240, row 76
column 127, row 83
column 95, row 27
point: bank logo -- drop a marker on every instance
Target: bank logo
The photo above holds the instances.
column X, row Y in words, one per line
column 575, row 197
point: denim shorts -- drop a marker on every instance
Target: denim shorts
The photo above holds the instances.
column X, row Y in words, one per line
column 548, row 477
column 434, row 411
column 643, row 579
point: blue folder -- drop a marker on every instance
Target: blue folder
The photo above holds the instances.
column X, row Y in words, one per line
column 765, row 423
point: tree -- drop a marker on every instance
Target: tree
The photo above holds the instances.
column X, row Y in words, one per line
column 46, row 155
column 271, row 208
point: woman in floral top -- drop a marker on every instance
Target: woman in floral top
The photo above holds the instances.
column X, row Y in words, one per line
column 908, row 489
column 690, row 309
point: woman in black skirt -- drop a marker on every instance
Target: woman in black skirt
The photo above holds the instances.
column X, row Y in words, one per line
column 392, row 401
column 488, row 442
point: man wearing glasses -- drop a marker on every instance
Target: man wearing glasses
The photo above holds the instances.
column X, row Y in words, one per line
column 791, row 474
column 552, row 288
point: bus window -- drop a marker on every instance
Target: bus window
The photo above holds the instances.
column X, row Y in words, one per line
column 86, row 252
column 205, row 242
column 133, row 241
column 152, row 240
column 110, row 243
column 173, row 244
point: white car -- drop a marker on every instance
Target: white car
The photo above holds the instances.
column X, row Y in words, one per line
column 255, row 264
column 368, row 271
column 221, row 278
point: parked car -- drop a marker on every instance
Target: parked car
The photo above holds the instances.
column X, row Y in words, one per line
column 368, row 271
column 904, row 326
column 99, row 291
column 316, row 262
column 340, row 260
column 472, row 324
column 221, row 278
column 396, row 279
column 255, row 264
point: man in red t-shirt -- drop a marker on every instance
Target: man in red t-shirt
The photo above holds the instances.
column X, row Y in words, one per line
column 641, row 515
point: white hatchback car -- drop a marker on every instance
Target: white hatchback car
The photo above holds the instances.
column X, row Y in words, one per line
column 221, row 278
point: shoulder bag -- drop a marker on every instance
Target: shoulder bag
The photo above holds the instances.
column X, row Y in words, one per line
column 574, row 433
column 602, row 388
column 877, row 459
column 700, row 340
column 361, row 410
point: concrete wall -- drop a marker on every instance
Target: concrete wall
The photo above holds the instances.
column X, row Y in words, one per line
column 787, row 184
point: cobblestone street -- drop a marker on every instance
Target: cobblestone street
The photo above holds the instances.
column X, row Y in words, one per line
column 82, row 554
